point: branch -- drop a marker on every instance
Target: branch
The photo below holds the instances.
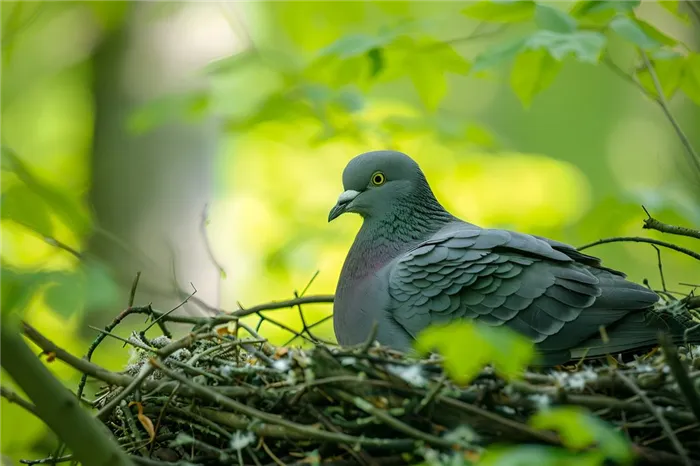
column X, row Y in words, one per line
column 694, row 158
column 637, row 239
column 12, row 397
column 651, row 223
column 88, row 439
column 685, row 385
column 656, row 412
column 310, row 432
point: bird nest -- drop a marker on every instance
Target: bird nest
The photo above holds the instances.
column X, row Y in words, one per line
column 223, row 395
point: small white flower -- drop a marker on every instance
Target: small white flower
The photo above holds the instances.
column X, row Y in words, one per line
column 507, row 409
column 348, row 361
column 412, row 374
column 645, row 368
column 226, row 370
column 541, row 400
column 240, row 440
column 282, row 365
column 695, row 351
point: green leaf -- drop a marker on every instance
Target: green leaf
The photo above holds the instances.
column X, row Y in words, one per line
column 376, row 61
column 24, row 206
column 554, row 19
column 66, row 294
column 533, row 71
column 430, row 84
column 585, row 46
column 498, row 54
column 655, row 34
column 669, row 71
column 18, row 288
column 541, row 455
column 66, row 208
column 628, row 29
column 579, row 429
column 509, row 351
column 503, row 11
column 101, row 289
column 690, row 83
column 353, row 45
column 672, row 7
column 599, row 6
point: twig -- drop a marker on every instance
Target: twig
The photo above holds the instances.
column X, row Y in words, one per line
column 134, row 285
column 656, row 412
column 651, row 223
column 637, row 239
column 49, row 460
column 680, row 373
column 661, row 267
column 13, row 397
column 391, row 421
column 89, row 441
column 312, row 432
column 163, row 316
column 694, row 158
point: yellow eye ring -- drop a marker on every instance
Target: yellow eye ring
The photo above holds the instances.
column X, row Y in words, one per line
column 378, row 178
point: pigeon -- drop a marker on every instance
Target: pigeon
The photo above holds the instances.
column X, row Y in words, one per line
column 413, row 264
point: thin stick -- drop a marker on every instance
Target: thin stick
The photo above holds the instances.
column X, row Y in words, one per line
column 132, row 292
column 656, row 412
column 680, row 373
column 651, row 223
column 13, row 397
column 206, row 392
column 694, row 158
column 637, row 239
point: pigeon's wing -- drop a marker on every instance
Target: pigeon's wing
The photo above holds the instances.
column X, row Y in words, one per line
column 500, row 277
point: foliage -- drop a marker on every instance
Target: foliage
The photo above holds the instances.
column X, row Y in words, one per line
column 468, row 346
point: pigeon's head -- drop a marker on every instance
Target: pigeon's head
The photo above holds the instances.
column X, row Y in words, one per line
column 376, row 182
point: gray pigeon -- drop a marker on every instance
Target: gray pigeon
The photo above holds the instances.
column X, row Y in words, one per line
column 413, row 264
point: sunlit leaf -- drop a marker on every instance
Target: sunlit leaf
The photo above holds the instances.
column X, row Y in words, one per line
column 18, row 288
column 508, row 351
column 598, row 6
column 498, row 54
column 585, row 46
column 541, row 455
column 627, row 28
column 655, row 34
column 554, row 19
column 354, row 45
column 668, row 71
column 690, row 83
column 503, row 11
column 27, row 208
column 66, row 208
column 672, row 6
column 110, row 15
column 533, row 71
column 480, row 135
column 430, row 84
column 579, row 429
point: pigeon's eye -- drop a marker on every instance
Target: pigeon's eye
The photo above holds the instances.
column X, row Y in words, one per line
column 378, row 178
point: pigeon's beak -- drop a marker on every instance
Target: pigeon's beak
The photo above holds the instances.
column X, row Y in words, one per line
column 341, row 206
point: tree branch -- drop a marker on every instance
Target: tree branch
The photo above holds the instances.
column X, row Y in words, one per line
column 88, row 439
column 694, row 158
column 637, row 239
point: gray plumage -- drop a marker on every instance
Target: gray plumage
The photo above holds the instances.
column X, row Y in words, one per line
column 413, row 264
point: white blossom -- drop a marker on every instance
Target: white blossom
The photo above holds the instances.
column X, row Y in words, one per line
column 240, row 440
column 412, row 374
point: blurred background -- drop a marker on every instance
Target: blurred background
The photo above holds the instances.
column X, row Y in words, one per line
column 202, row 144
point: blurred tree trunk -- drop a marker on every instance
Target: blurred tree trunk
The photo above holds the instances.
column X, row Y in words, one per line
column 148, row 190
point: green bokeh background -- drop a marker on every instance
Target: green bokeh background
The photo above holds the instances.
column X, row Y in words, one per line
column 576, row 165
